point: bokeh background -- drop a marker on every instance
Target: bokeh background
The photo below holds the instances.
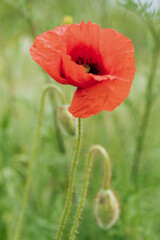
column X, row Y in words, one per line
column 21, row 83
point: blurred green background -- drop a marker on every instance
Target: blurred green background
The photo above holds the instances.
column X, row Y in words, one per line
column 21, row 83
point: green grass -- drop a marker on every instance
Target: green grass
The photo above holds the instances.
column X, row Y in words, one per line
column 21, row 82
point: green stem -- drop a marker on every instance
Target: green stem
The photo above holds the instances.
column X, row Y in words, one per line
column 145, row 118
column 71, row 183
column 33, row 155
column 52, row 98
column 107, row 182
column 29, row 19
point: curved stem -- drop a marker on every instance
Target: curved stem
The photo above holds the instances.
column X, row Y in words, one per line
column 146, row 115
column 71, row 183
column 107, row 182
column 33, row 155
column 33, row 28
column 32, row 25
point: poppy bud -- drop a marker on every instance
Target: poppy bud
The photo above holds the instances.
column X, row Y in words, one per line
column 67, row 19
column 66, row 120
column 107, row 209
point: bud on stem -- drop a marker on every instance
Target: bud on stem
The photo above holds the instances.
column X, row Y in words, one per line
column 107, row 180
column 107, row 208
column 33, row 155
column 66, row 120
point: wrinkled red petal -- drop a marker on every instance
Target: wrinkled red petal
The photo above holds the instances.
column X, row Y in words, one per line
column 116, row 50
column 82, row 34
column 105, row 95
column 118, row 54
column 109, row 54
column 61, row 30
column 47, row 50
column 75, row 74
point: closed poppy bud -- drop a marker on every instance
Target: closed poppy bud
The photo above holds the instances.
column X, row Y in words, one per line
column 67, row 19
column 107, row 209
column 66, row 120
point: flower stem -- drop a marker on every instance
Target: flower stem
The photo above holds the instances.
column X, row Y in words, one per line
column 145, row 118
column 33, row 156
column 33, row 28
column 106, row 184
column 71, row 183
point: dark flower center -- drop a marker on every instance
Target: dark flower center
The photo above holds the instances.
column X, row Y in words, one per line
column 89, row 65
column 87, row 57
column 87, row 68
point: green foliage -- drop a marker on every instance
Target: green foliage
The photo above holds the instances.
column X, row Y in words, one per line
column 21, row 82
column 149, row 14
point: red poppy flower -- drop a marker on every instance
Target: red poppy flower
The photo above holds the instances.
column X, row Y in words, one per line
column 99, row 62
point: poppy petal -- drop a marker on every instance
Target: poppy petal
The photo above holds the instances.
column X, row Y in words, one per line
column 61, row 30
column 105, row 95
column 47, row 50
column 76, row 75
column 67, row 52
column 82, row 34
column 118, row 54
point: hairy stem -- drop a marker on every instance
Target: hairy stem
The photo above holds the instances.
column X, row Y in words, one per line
column 52, row 99
column 145, row 118
column 33, row 29
column 33, row 156
column 71, row 184
column 59, row 136
column 107, row 182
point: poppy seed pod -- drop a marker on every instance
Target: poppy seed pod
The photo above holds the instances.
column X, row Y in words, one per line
column 107, row 208
column 66, row 120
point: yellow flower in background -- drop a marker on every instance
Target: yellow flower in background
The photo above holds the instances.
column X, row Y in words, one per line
column 67, row 19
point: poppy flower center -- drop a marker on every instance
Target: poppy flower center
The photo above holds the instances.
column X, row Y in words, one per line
column 87, row 57
column 87, row 68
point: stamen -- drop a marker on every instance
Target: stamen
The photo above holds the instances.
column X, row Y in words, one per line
column 87, row 68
